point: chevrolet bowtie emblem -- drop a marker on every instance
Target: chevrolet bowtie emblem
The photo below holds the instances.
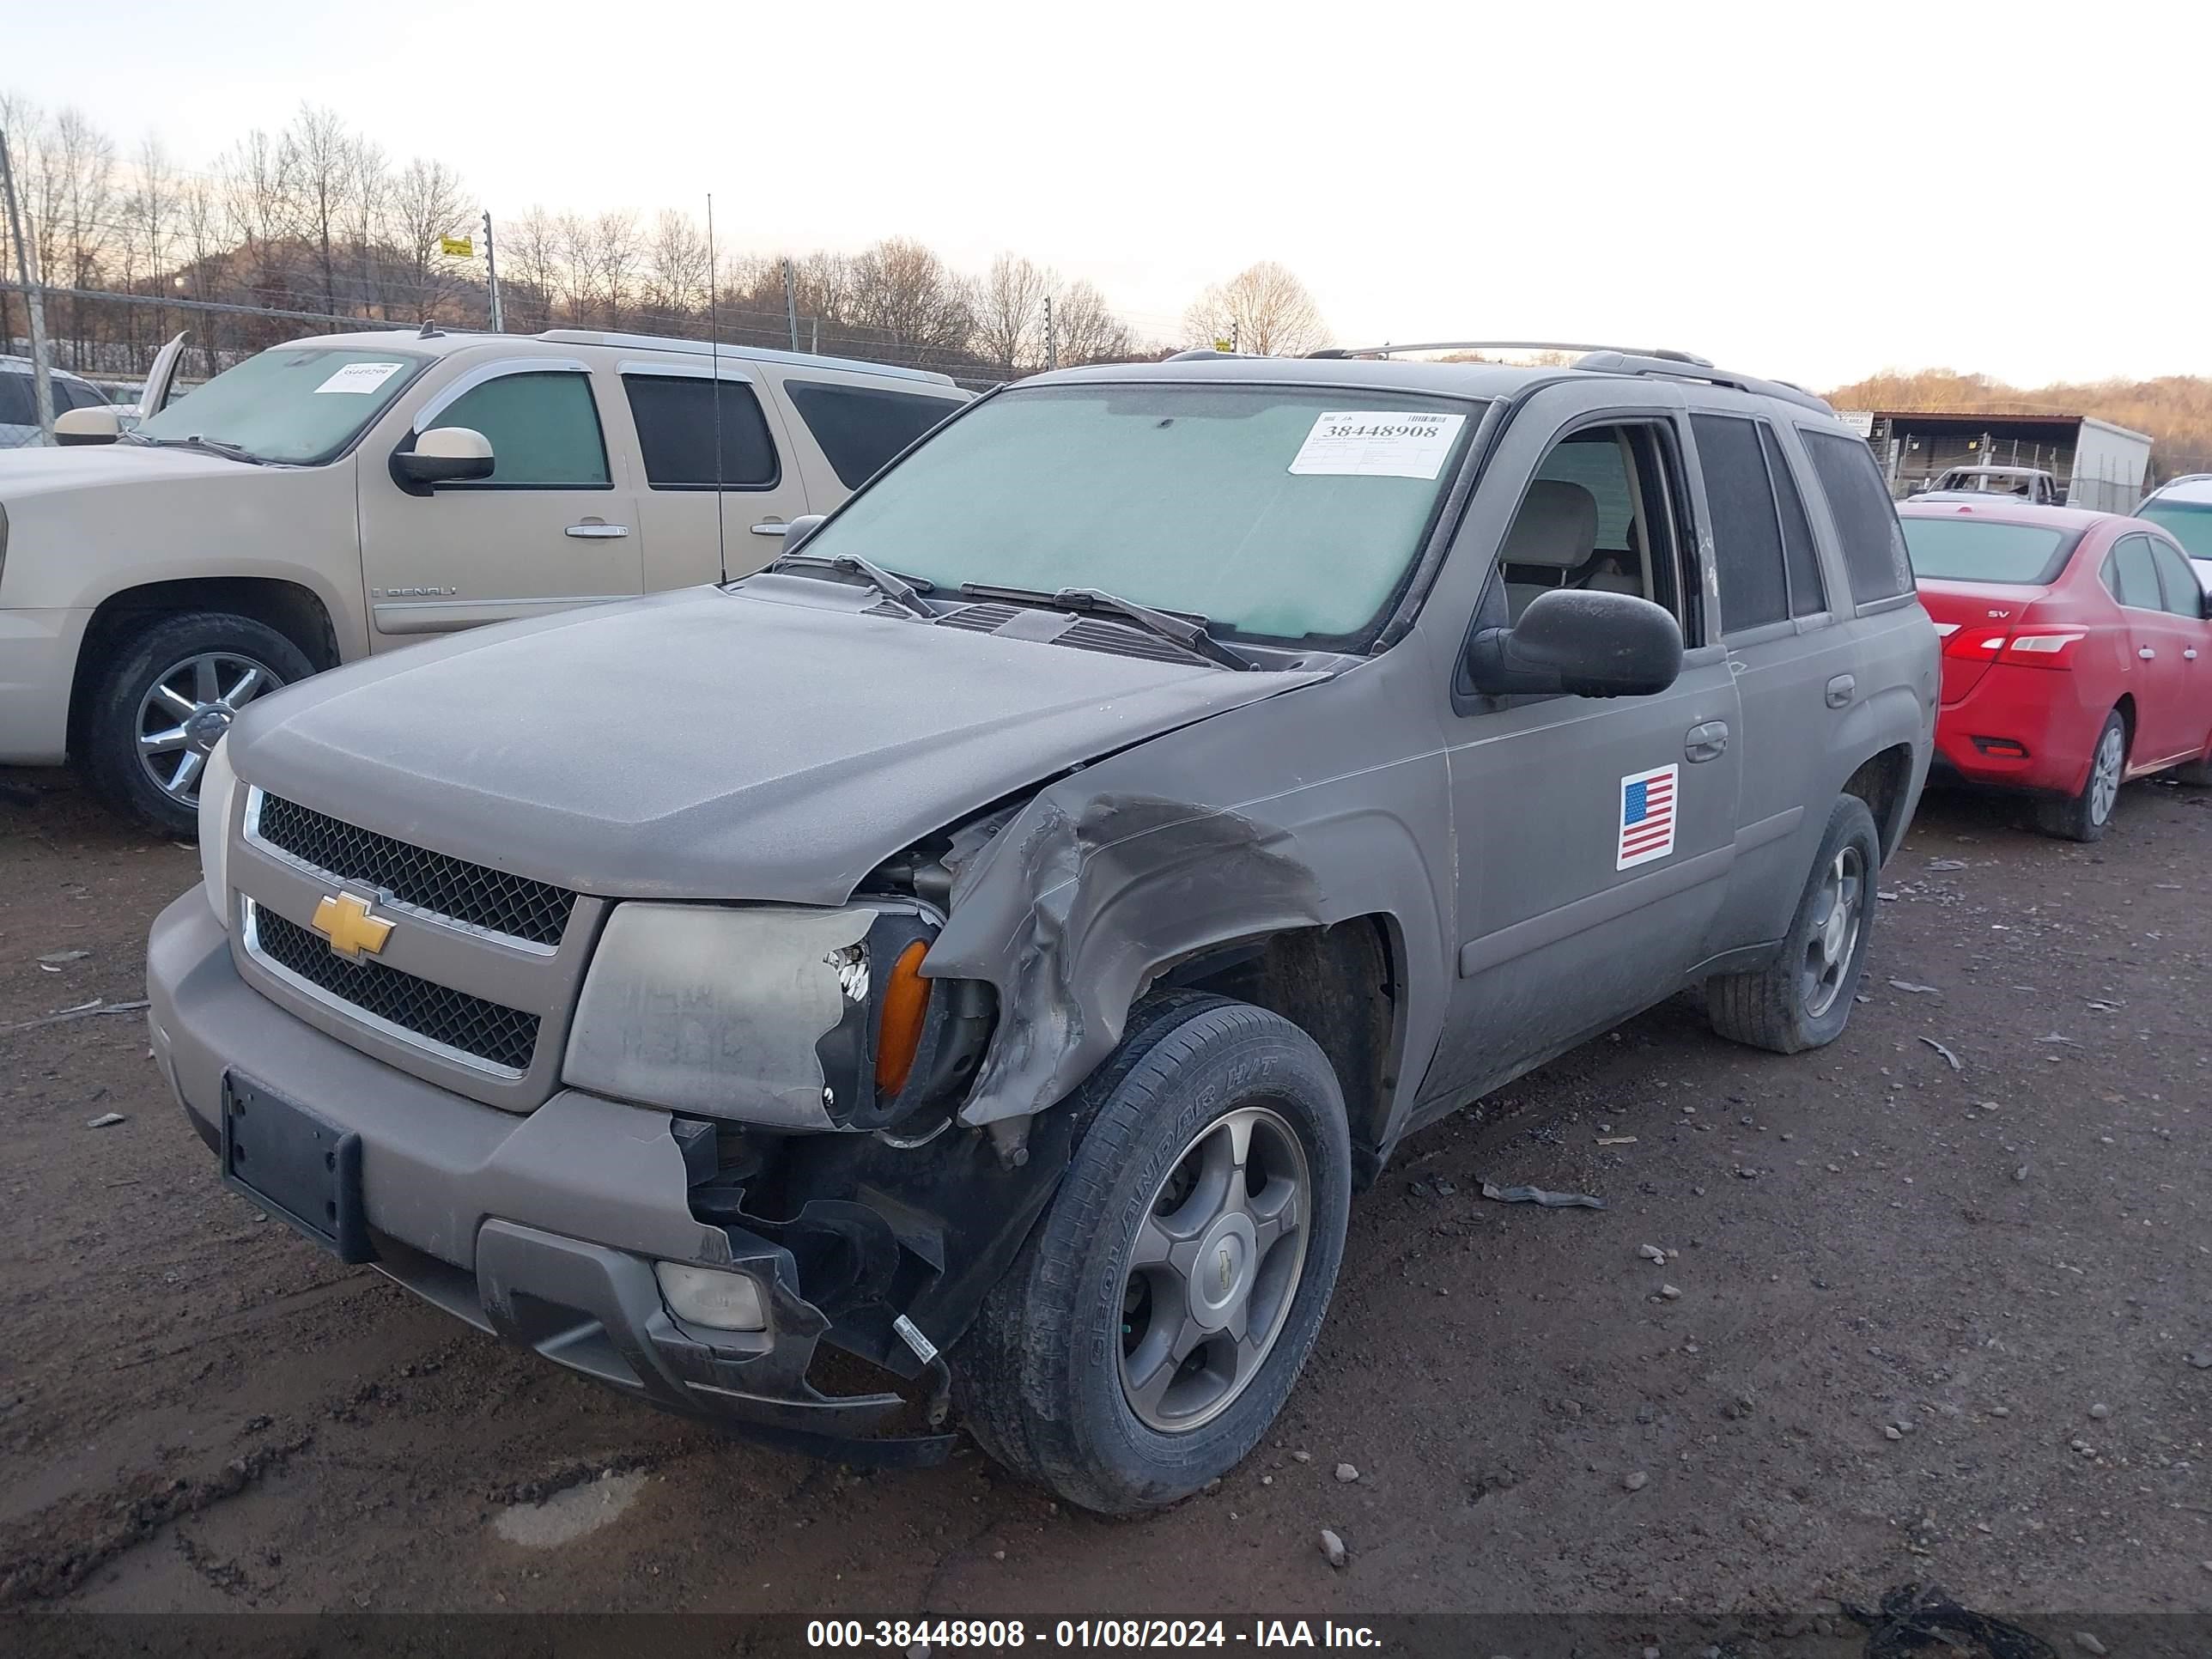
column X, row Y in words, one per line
column 346, row 921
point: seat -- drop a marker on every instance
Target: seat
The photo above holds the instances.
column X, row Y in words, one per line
column 1554, row 532
column 1613, row 572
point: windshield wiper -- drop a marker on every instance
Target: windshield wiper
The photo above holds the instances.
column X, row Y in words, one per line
column 897, row 589
column 1188, row 633
column 211, row 445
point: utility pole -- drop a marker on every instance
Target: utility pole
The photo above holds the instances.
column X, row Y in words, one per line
column 491, row 278
column 27, row 267
column 1051, row 340
column 1235, row 334
column 791, row 304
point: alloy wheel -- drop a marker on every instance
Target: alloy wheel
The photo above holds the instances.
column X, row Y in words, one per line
column 1838, row 910
column 187, row 710
column 1214, row 1269
column 2105, row 774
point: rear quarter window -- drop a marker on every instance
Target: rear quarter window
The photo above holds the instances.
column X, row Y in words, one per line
column 860, row 428
column 1865, row 518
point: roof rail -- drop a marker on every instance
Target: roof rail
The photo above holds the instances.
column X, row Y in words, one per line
column 1502, row 346
column 2189, row 477
column 754, row 354
column 1197, row 353
column 1674, row 366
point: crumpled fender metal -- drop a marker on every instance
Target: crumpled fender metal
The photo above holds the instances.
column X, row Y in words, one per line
column 1185, row 842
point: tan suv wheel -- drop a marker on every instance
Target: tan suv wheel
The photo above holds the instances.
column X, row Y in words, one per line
column 167, row 699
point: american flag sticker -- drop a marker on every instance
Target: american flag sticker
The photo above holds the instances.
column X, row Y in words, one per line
column 1647, row 817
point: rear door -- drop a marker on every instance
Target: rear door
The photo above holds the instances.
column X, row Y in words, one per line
column 555, row 525
column 674, row 408
column 1792, row 658
column 2187, row 602
column 847, row 426
column 2159, row 675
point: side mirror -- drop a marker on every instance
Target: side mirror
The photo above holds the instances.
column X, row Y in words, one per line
column 801, row 527
column 97, row 425
column 444, row 454
column 1579, row 643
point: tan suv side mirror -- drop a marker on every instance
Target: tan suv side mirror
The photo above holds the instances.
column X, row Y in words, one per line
column 444, row 454
column 76, row 426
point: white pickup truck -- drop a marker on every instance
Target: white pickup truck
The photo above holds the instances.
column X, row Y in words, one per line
column 345, row 494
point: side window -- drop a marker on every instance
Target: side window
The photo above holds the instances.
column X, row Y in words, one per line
column 1866, row 519
column 1746, row 529
column 1603, row 512
column 1808, row 595
column 2184, row 595
column 860, row 428
column 68, row 394
column 19, row 404
column 2132, row 574
column 544, row 428
column 676, row 415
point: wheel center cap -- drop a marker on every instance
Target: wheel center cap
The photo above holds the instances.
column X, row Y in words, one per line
column 1221, row 1274
column 205, row 729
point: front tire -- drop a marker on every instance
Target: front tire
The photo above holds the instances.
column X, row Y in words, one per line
column 1149, row 1332
column 1803, row 999
column 2087, row 816
column 165, row 702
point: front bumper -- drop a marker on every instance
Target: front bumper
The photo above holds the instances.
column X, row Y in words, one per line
column 38, row 667
column 540, row 1228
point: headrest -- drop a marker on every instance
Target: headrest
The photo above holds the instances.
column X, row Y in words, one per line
column 1556, row 526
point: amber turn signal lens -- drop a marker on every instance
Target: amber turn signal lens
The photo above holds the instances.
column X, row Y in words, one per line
column 906, row 1004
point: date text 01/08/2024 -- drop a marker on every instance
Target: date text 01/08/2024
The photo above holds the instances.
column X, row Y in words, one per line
column 909, row 1636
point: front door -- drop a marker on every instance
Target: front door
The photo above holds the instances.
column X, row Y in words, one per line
column 1594, row 837
column 555, row 525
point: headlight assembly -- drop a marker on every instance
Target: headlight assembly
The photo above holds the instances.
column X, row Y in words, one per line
column 218, row 785
column 795, row 1019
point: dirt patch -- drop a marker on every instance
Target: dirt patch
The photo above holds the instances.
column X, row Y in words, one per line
column 1903, row 1287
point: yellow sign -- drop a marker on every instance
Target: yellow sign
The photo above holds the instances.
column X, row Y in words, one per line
column 346, row 922
column 1224, row 345
column 460, row 247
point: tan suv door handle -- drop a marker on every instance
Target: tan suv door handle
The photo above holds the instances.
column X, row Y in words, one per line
column 1839, row 691
column 771, row 528
column 1706, row 740
column 593, row 529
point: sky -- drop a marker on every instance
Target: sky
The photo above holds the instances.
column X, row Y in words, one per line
column 1814, row 192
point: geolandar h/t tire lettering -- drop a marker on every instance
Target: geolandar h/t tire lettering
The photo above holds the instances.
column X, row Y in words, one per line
column 1149, row 1332
column 165, row 700
column 1803, row 999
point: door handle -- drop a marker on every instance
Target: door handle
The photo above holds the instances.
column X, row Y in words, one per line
column 1840, row 690
column 593, row 529
column 2190, row 655
column 772, row 527
column 1706, row 740
column 2146, row 652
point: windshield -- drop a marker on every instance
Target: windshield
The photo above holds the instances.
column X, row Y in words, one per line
column 296, row 404
column 1979, row 550
column 1276, row 512
column 2189, row 523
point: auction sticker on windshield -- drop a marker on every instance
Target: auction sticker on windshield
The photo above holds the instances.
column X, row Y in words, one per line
column 1387, row 443
column 360, row 377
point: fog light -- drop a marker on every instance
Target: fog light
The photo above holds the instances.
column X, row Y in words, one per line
column 704, row 1296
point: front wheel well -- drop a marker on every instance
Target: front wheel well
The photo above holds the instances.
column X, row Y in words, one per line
column 291, row 609
column 1340, row 985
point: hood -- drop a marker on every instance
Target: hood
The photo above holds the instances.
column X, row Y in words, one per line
column 42, row 471
column 770, row 742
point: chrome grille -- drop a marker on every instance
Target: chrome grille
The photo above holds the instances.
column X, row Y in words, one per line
column 488, row 1031
column 516, row 906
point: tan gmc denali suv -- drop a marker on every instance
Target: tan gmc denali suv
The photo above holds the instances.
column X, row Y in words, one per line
column 347, row 494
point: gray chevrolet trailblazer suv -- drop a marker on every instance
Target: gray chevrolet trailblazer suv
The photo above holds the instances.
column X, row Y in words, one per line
column 994, row 942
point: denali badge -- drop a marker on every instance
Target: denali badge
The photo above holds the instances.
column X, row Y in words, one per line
column 346, row 922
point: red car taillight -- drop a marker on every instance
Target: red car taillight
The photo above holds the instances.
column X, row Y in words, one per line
column 2026, row 647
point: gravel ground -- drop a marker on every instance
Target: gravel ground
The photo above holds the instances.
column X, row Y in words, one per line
column 1915, row 1321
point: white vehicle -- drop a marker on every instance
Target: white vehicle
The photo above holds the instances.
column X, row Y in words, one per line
column 344, row 494
column 2183, row 509
column 19, row 405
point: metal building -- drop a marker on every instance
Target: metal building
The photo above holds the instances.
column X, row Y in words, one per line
column 2099, row 466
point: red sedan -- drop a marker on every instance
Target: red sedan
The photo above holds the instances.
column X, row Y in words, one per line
column 2077, row 653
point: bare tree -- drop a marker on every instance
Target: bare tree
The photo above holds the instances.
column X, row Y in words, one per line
column 612, row 263
column 908, row 293
column 426, row 206
column 572, row 268
column 257, row 192
column 1085, row 330
column 321, row 152
column 675, row 266
column 367, row 204
column 1009, row 307
column 532, row 246
column 151, row 213
column 70, row 200
column 1263, row 308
